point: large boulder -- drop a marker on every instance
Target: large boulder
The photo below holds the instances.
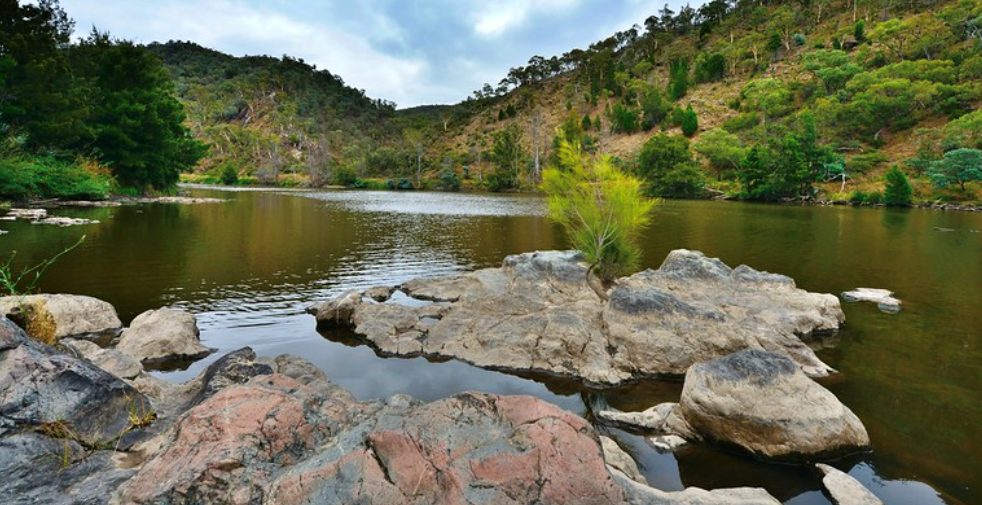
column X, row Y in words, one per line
column 54, row 393
column 51, row 317
column 762, row 403
column 157, row 337
column 536, row 313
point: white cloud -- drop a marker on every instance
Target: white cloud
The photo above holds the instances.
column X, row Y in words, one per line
column 238, row 28
column 497, row 17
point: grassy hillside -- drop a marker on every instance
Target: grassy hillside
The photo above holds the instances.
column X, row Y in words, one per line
column 827, row 94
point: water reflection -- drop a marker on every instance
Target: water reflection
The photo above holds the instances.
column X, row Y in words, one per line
column 249, row 267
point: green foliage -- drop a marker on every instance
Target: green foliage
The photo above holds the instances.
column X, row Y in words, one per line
column 507, row 156
column 898, row 191
column 345, row 176
column 654, row 108
column 786, row 167
column 859, row 31
column 602, row 210
column 623, row 119
column 685, row 180
column 768, row 96
column 722, row 148
column 690, row 123
column 957, row 167
column 666, row 164
column 966, row 131
column 831, row 66
column 585, row 123
column 228, row 174
column 24, row 177
column 858, row 197
column 449, row 181
column 710, row 67
column 799, row 39
column 678, row 80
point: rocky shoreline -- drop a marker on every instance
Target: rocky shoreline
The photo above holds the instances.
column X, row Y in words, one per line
column 83, row 421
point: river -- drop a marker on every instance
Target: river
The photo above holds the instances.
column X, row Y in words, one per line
column 248, row 268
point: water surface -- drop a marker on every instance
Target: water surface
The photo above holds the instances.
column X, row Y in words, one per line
column 248, row 268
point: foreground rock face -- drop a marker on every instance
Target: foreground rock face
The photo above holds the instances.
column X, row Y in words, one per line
column 116, row 362
column 51, row 317
column 758, row 402
column 537, row 313
column 276, row 431
column 51, row 392
column 158, row 336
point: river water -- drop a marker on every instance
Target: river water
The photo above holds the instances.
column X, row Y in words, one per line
column 249, row 266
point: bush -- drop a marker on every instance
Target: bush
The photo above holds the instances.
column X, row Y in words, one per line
column 898, row 191
column 690, row 123
column 25, row 178
column 858, row 197
column 345, row 176
column 623, row 119
column 710, row 68
column 678, row 83
column 449, row 180
column 799, row 39
column 228, row 174
column 685, row 180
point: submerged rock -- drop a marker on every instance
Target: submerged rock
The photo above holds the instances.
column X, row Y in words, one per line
column 536, row 313
column 883, row 298
column 156, row 337
column 51, row 317
column 29, row 214
column 844, row 489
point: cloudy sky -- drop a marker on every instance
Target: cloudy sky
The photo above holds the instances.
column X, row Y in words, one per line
column 412, row 52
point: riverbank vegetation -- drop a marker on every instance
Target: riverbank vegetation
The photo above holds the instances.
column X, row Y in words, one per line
column 802, row 101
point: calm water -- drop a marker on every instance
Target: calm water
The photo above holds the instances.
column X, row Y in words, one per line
column 248, row 267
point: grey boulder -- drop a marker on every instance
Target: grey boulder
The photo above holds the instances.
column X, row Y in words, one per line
column 157, row 337
column 844, row 489
column 51, row 317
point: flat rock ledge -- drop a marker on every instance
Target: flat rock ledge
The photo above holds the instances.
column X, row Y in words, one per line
column 756, row 402
column 536, row 313
column 277, row 431
column 883, row 298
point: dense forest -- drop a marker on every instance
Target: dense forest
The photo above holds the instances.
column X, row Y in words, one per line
column 869, row 101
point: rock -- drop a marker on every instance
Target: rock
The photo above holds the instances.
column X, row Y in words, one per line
column 621, row 460
column 883, row 298
column 639, row 494
column 236, row 367
column 762, row 403
column 652, row 419
column 667, row 443
column 228, row 448
column 51, row 317
column 844, row 489
column 536, row 313
column 61, row 395
column 113, row 361
column 156, row 337
column 183, row 200
column 65, row 221
column 470, row 448
column 29, row 214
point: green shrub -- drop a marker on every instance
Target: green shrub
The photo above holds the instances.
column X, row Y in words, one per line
column 799, row 39
column 740, row 122
column 24, row 178
column 678, row 83
column 449, row 181
column 623, row 119
column 345, row 176
column 228, row 174
column 863, row 163
column 685, row 180
column 898, row 191
column 690, row 123
column 710, row 68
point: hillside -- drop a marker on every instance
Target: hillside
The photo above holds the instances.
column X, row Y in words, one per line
column 856, row 88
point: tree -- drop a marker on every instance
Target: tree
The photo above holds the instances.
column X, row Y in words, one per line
column 722, row 148
column 507, row 156
column 654, row 108
column 957, row 167
column 660, row 155
column 678, row 80
column 710, row 67
column 137, row 123
column 898, row 191
column 769, row 96
column 690, row 123
column 416, row 141
column 623, row 119
column 831, row 66
column 602, row 210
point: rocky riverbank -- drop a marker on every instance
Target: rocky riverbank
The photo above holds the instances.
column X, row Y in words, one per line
column 83, row 420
